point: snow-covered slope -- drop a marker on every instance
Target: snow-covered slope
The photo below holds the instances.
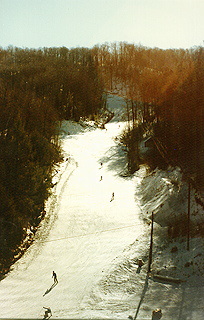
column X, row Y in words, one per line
column 93, row 243
column 166, row 194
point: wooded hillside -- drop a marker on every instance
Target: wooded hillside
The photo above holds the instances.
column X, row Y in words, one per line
column 165, row 89
column 38, row 88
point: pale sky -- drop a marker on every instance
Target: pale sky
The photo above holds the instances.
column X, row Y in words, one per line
column 85, row 23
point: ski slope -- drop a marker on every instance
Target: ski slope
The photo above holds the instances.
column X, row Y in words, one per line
column 92, row 243
column 85, row 233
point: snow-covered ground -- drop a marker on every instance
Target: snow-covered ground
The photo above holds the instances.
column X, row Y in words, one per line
column 93, row 243
column 166, row 194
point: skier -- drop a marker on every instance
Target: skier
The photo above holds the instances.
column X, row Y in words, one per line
column 156, row 314
column 48, row 313
column 140, row 263
column 113, row 195
column 55, row 277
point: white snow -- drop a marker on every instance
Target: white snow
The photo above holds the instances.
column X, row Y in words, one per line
column 166, row 194
column 93, row 244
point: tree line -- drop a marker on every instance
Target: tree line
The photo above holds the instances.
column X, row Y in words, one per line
column 165, row 97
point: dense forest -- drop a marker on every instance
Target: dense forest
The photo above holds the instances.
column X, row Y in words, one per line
column 164, row 90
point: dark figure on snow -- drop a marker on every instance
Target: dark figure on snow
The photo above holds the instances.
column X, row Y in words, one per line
column 156, row 314
column 140, row 263
column 48, row 313
column 113, row 195
column 55, row 277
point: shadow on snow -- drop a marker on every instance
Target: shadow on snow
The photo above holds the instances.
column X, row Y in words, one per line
column 52, row 287
column 116, row 160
